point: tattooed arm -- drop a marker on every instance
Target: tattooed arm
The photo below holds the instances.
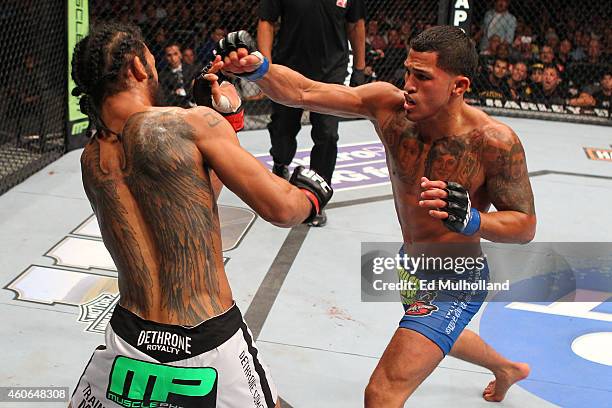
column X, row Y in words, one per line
column 509, row 189
column 273, row 198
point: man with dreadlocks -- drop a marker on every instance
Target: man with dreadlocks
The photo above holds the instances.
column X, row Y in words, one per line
column 176, row 338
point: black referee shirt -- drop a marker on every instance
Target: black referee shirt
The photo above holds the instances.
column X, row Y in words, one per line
column 312, row 38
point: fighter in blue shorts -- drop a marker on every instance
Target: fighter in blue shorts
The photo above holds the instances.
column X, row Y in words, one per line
column 441, row 314
column 448, row 163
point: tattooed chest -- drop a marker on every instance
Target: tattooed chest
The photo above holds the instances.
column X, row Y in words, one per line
column 450, row 158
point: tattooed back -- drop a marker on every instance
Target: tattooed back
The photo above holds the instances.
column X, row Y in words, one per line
column 153, row 198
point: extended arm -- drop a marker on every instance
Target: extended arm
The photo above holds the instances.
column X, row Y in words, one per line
column 273, row 198
column 290, row 88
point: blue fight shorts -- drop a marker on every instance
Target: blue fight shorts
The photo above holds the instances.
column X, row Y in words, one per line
column 441, row 314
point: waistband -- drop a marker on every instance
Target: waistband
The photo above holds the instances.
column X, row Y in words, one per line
column 167, row 342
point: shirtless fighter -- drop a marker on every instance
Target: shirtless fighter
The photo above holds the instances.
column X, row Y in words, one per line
column 448, row 163
column 176, row 338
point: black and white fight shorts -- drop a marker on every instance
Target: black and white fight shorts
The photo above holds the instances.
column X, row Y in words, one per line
column 151, row 365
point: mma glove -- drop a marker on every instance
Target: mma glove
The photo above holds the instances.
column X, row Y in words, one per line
column 314, row 187
column 202, row 95
column 242, row 39
column 462, row 217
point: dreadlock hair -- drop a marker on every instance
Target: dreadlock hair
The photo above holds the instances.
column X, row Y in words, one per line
column 99, row 66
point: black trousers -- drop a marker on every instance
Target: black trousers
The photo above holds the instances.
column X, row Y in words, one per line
column 285, row 125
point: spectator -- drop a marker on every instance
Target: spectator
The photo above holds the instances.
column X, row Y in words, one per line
column 498, row 21
column 608, row 42
column 157, row 47
column 313, row 40
column 549, row 91
column 373, row 59
column 594, row 54
column 487, row 57
column 603, row 97
column 503, row 51
column 171, row 9
column 592, row 67
column 390, row 68
column 176, row 78
column 565, row 50
column 579, row 53
column 205, row 51
column 199, row 16
column 185, row 20
column 495, row 85
column 189, row 58
column 405, row 32
column 373, row 38
column 517, row 82
column 547, row 57
column 537, row 74
column 149, row 22
column 492, row 45
column 522, row 49
column 551, row 38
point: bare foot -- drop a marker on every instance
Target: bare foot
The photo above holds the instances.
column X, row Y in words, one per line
column 496, row 390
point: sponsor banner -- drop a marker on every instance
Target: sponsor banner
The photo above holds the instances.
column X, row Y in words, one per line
column 560, row 271
column 77, row 28
column 595, row 153
column 539, row 107
column 357, row 165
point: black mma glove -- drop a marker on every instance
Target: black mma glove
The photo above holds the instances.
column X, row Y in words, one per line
column 202, row 95
column 357, row 77
column 314, row 186
column 462, row 217
column 242, row 39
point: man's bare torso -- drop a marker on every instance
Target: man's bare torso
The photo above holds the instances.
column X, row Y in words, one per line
column 155, row 205
column 468, row 158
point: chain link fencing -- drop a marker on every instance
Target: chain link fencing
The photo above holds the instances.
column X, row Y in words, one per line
column 548, row 60
column 543, row 59
column 32, row 88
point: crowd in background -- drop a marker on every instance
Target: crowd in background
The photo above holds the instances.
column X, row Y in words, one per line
column 544, row 52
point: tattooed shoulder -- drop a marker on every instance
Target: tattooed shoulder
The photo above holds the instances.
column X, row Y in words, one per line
column 506, row 171
column 396, row 128
column 500, row 144
column 147, row 130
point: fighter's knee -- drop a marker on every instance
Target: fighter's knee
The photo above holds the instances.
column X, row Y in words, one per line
column 376, row 390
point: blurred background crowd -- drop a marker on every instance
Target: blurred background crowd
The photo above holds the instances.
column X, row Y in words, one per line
column 543, row 52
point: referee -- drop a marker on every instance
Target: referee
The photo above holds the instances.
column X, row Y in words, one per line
column 313, row 40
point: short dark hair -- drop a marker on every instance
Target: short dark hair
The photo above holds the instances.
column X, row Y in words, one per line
column 552, row 66
column 456, row 50
column 173, row 44
column 99, row 65
column 502, row 60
